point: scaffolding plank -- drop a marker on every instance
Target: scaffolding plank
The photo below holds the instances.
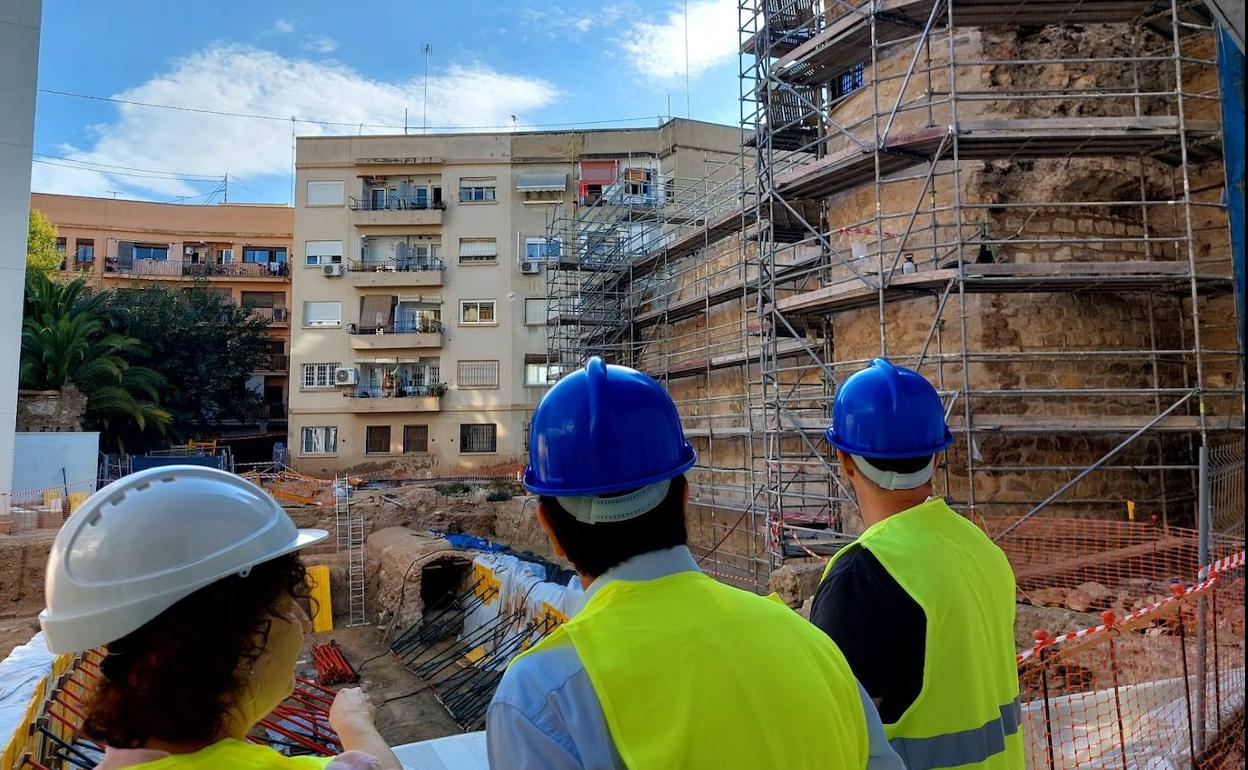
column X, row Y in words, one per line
column 995, row 140
column 846, row 41
column 1010, row 278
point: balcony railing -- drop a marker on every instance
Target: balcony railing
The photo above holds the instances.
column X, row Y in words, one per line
column 400, row 265
column 271, row 314
column 175, row 268
column 435, row 390
column 274, row 362
column 395, row 203
column 417, row 326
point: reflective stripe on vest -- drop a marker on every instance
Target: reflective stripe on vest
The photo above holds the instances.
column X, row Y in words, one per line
column 962, row 748
column 697, row 675
column 966, row 713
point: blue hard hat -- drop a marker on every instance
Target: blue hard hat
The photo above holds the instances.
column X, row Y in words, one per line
column 888, row 411
column 605, row 429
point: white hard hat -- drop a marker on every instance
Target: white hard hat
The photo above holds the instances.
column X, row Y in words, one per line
column 140, row 544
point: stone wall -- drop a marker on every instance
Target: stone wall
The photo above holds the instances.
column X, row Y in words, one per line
column 51, row 410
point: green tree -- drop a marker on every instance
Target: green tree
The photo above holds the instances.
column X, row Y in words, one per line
column 203, row 345
column 41, row 254
column 66, row 340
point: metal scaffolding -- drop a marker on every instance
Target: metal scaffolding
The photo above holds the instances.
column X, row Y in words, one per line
column 936, row 182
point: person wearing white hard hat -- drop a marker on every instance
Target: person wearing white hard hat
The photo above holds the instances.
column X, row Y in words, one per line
column 187, row 579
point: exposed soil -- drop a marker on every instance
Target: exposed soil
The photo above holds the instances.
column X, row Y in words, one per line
column 402, row 717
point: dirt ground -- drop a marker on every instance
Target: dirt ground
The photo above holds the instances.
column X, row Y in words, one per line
column 400, row 719
column 23, row 557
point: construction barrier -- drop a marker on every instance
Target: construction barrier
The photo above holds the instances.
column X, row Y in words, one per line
column 322, row 603
column 1153, row 688
column 42, row 508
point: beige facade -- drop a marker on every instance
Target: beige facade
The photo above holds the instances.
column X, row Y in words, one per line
column 239, row 249
column 419, row 314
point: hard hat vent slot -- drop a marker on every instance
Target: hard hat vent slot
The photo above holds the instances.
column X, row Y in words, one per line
column 95, row 519
column 143, row 487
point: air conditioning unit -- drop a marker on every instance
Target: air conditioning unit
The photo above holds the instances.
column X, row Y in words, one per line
column 346, row 375
column 279, row 314
column 530, row 267
column 333, row 271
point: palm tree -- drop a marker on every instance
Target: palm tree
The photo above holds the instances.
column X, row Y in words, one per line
column 65, row 341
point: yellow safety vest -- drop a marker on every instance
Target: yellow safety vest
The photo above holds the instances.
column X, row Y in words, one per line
column 236, row 755
column 694, row 674
column 967, row 713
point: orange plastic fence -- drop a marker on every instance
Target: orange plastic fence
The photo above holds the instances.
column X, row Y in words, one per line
column 1152, row 688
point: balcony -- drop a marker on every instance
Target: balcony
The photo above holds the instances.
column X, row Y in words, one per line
column 396, row 211
column 172, row 268
column 421, row 333
column 276, row 316
column 410, row 398
column 383, row 272
column 273, row 363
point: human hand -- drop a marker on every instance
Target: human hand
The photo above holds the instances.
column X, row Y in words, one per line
column 351, row 711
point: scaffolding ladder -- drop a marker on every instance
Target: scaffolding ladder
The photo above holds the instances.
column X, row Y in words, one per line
column 349, row 534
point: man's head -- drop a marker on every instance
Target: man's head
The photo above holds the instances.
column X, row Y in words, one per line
column 607, row 457
column 888, row 429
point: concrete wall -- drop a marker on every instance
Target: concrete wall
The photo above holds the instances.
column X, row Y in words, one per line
column 41, row 457
column 19, row 58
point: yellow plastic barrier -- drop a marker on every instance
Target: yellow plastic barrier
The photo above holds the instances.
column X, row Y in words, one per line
column 322, row 605
column 76, row 499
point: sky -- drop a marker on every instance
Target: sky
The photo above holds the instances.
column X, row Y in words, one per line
column 355, row 65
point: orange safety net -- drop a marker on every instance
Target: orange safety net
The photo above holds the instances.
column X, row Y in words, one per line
column 1153, row 688
column 1090, row 565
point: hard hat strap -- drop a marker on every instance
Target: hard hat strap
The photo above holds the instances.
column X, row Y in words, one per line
column 601, row 510
column 892, row 479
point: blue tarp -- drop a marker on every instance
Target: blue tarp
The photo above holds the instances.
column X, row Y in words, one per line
column 1231, row 74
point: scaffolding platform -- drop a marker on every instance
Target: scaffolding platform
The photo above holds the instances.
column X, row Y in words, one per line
column 846, row 41
column 1156, row 136
column 1131, row 276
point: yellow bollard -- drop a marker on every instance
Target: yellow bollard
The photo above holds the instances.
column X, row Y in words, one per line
column 322, row 605
column 1131, row 510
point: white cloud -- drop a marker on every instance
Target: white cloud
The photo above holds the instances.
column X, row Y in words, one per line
column 658, row 50
column 242, row 79
column 283, row 27
column 556, row 21
column 320, row 44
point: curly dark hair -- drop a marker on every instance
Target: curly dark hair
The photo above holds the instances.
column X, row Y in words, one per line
column 176, row 678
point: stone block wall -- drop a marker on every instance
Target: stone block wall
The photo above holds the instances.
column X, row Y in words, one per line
column 51, row 410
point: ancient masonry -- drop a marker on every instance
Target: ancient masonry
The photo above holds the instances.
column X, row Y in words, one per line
column 1021, row 200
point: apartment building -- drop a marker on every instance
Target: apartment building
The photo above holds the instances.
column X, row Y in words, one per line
column 240, row 250
column 420, row 304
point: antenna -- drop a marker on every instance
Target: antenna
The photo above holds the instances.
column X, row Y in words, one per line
column 427, row 50
column 688, row 109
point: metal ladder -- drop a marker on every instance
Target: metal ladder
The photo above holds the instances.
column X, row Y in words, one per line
column 349, row 534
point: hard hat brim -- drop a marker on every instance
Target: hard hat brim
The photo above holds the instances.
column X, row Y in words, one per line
column 849, row 448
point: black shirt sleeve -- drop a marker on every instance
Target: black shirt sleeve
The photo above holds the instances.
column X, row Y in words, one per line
column 880, row 629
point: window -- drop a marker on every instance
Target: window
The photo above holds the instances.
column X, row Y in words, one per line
column 478, row 438
column 535, row 311
column 540, row 375
column 319, row 440
column 479, row 312
column 638, row 182
column 849, row 81
column 263, row 299
column 325, row 194
column 377, row 439
column 477, row 375
column 322, row 252
column 151, row 252
column 85, row 250
column 318, row 376
column 477, row 190
column 322, row 313
column 541, row 249
column 478, row 251
column 415, row 439
column 60, row 246
column 263, row 255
